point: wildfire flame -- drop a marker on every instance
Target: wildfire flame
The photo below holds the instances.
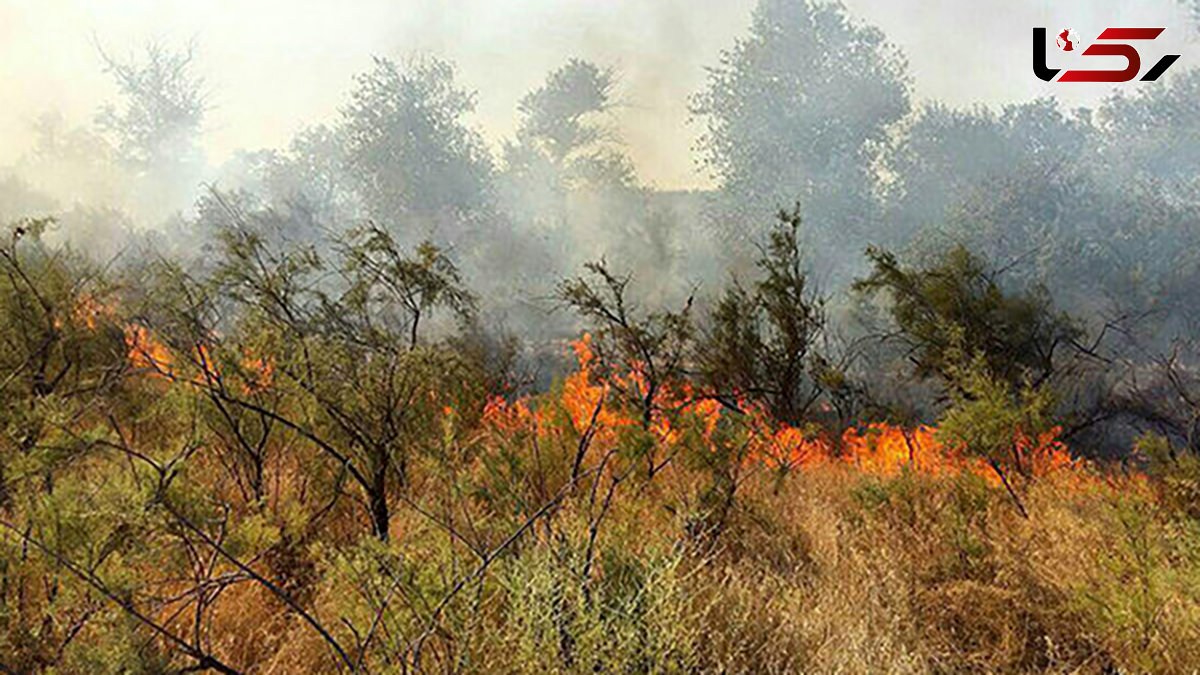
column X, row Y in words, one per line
column 879, row 449
column 146, row 351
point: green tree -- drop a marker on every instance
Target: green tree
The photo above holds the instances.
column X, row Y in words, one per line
column 59, row 356
column 989, row 418
column 342, row 339
column 798, row 110
column 954, row 307
column 415, row 162
column 762, row 343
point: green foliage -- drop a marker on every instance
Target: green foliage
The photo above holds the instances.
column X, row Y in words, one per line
column 209, row 512
column 1126, row 599
column 124, row 649
column 633, row 620
column 319, row 335
column 408, row 148
column 955, row 307
column 1177, row 472
column 797, row 110
column 763, row 344
column 59, row 352
column 987, row 416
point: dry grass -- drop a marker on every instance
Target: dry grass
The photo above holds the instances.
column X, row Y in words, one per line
column 836, row 572
column 828, row 571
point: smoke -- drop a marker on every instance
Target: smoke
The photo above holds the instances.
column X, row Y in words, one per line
column 312, row 117
column 273, row 69
column 276, row 66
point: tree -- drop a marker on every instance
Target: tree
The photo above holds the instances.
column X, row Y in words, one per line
column 1151, row 136
column 414, row 160
column 947, row 156
column 162, row 110
column 568, row 183
column 311, row 176
column 154, row 130
column 559, row 117
column 797, row 110
column 60, row 354
column 653, row 346
column 991, row 419
column 564, row 158
column 762, row 343
column 62, row 367
column 954, row 308
column 1000, row 354
column 320, row 326
column 562, row 138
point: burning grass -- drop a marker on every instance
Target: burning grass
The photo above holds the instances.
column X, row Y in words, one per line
column 878, row 449
column 754, row 547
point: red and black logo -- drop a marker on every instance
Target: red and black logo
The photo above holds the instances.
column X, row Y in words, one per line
column 1066, row 41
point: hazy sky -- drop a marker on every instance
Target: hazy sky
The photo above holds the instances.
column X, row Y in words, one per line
column 272, row 66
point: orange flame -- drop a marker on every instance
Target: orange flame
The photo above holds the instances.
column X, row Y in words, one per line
column 879, row 449
column 261, row 372
column 146, row 352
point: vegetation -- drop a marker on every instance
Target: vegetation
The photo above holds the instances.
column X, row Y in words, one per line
column 285, row 463
column 391, row 400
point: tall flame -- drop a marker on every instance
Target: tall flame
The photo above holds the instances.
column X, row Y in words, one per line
column 878, row 449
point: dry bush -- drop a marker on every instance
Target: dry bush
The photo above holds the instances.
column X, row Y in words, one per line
column 826, row 569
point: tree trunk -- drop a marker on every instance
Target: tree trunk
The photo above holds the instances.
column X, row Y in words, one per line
column 380, row 516
column 5, row 497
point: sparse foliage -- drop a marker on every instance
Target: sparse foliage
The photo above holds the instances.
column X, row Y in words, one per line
column 764, row 343
column 163, row 106
column 955, row 307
